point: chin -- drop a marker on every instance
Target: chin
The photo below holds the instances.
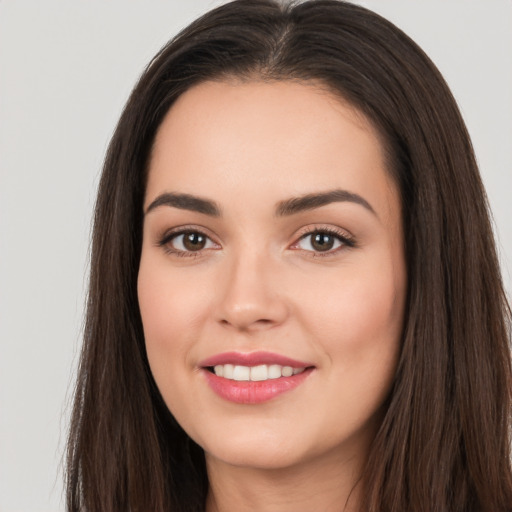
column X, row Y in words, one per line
column 288, row 445
column 258, row 449
column 255, row 456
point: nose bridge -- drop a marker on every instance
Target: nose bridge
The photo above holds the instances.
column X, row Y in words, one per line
column 251, row 297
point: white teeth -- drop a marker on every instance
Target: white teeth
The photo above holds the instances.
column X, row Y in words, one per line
column 241, row 373
column 274, row 371
column 228, row 371
column 287, row 371
column 255, row 373
column 259, row 372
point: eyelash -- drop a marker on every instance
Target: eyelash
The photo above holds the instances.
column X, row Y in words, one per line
column 346, row 240
column 169, row 236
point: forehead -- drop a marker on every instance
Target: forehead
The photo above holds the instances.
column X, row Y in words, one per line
column 272, row 138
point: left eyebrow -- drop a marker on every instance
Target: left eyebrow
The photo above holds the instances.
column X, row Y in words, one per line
column 186, row 202
column 311, row 201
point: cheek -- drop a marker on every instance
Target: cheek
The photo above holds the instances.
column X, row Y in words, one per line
column 171, row 308
column 359, row 323
column 169, row 301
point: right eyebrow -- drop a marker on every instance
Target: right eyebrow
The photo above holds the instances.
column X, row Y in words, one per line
column 185, row 202
column 317, row 200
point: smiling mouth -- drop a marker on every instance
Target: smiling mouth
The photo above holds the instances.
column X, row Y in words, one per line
column 253, row 377
column 251, row 385
column 259, row 373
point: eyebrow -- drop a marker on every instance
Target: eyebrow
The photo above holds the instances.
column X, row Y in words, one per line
column 186, row 202
column 311, row 201
column 285, row 208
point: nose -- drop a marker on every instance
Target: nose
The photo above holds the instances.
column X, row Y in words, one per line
column 251, row 296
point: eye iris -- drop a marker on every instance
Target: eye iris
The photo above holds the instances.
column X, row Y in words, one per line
column 194, row 241
column 322, row 241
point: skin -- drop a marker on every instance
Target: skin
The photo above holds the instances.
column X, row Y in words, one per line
column 259, row 284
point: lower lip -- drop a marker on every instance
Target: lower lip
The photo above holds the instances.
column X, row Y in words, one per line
column 254, row 392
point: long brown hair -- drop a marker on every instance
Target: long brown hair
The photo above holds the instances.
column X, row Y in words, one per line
column 444, row 443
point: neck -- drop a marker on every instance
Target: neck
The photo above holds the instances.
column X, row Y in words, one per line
column 331, row 487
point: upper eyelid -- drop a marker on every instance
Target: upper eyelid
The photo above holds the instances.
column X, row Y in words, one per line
column 180, row 230
column 303, row 232
column 345, row 237
column 164, row 241
column 317, row 228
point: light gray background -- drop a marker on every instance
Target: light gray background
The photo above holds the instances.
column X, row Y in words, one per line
column 66, row 68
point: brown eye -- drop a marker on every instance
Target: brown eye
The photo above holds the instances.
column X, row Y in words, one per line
column 188, row 242
column 322, row 241
column 194, row 241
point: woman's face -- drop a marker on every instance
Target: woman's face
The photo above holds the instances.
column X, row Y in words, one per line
column 273, row 256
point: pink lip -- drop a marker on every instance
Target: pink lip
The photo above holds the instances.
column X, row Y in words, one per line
column 249, row 392
column 252, row 359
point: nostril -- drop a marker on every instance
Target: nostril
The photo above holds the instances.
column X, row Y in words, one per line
column 256, row 325
column 251, row 314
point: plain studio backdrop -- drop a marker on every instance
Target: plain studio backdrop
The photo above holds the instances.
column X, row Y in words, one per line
column 66, row 69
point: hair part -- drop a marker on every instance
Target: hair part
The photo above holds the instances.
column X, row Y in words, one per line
column 444, row 443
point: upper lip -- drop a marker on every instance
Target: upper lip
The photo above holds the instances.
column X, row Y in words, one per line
column 252, row 359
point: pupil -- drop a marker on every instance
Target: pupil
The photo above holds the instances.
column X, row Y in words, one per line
column 194, row 241
column 323, row 242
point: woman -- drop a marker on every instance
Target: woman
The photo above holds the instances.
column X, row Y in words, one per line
column 295, row 301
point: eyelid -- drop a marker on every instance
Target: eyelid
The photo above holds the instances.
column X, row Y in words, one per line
column 345, row 237
column 164, row 239
column 328, row 228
